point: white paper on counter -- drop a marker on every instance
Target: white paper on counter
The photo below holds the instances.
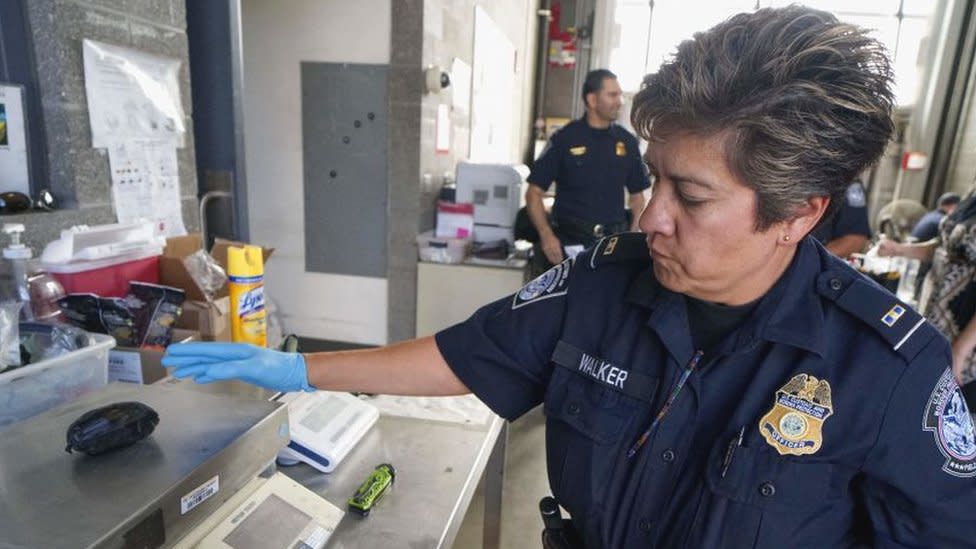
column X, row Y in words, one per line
column 146, row 184
column 131, row 95
column 466, row 409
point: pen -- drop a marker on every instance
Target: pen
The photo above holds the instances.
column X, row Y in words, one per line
column 730, row 451
column 692, row 364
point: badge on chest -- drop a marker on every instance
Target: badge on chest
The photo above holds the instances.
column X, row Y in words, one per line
column 795, row 424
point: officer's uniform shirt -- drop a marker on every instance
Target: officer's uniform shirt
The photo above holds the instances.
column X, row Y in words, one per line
column 853, row 428
column 927, row 227
column 851, row 218
column 591, row 167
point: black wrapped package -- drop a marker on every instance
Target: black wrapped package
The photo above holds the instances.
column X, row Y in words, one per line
column 111, row 427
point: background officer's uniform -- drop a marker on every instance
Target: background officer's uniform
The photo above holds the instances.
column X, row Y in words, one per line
column 591, row 168
column 850, row 218
column 853, row 430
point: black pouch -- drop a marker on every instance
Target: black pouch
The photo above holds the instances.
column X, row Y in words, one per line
column 157, row 310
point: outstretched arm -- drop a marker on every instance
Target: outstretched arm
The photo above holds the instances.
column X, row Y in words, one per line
column 923, row 251
column 844, row 246
column 413, row 367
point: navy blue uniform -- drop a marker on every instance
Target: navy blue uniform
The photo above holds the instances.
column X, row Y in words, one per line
column 851, row 218
column 853, row 430
column 927, row 227
column 591, row 167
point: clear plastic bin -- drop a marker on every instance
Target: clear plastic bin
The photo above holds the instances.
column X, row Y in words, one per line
column 436, row 249
column 30, row 390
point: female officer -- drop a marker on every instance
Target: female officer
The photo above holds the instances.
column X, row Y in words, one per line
column 719, row 380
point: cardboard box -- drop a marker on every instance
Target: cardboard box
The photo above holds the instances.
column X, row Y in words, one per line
column 172, row 272
column 144, row 366
column 208, row 318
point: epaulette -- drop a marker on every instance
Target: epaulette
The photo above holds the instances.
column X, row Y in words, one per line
column 898, row 324
column 619, row 247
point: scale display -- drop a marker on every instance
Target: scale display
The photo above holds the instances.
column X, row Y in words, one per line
column 278, row 513
column 324, row 426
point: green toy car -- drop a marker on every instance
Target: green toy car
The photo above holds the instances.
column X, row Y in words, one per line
column 372, row 489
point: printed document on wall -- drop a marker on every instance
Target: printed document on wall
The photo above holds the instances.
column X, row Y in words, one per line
column 131, row 95
column 145, row 184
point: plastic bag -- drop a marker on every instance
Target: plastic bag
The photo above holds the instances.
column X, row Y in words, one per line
column 9, row 335
column 102, row 315
column 156, row 309
column 206, row 272
column 40, row 341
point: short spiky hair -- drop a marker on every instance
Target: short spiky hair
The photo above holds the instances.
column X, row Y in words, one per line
column 802, row 101
column 593, row 82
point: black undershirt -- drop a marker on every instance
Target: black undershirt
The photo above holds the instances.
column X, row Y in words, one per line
column 711, row 322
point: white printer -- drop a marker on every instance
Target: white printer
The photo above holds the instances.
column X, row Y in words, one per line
column 497, row 192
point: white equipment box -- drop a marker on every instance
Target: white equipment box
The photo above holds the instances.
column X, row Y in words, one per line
column 496, row 191
column 324, row 426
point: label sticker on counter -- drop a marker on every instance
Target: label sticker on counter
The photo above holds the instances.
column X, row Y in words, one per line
column 199, row 495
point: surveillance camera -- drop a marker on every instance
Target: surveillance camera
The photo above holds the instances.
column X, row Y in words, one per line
column 436, row 79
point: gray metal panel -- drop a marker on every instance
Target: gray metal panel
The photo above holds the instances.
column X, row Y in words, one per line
column 344, row 146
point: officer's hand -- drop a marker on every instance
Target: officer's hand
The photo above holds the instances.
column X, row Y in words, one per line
column 209, row 362
column 553, row 248
column 887, row 247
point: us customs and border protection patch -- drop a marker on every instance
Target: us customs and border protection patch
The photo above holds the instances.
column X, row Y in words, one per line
column 552, row 283
column 947, row 416
column 795, row 424
column 855, row 195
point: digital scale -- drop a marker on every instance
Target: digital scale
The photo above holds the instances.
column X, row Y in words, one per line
column 196, row 481
column 325, row 426
column 268, row 513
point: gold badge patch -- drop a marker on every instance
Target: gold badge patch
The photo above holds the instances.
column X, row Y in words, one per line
column 577, row 151
column 795, row 424
column 621, row 149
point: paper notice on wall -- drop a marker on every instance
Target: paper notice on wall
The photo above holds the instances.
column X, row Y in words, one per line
column 132, row 94
column 461, row 84
column 146, row 185
column 13, row 140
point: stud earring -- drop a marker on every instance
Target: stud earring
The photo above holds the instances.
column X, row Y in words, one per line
column 786, row 238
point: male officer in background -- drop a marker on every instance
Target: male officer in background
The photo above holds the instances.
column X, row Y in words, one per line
column 719, row 380
column 927, row 227
column 847, row 231
column 593, row 161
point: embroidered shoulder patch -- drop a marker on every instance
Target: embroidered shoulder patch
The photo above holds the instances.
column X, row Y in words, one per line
column 947, row 416
column 552, row 283
column 855, row 195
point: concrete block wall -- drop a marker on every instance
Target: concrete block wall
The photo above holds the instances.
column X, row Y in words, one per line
column 404, row 160
column 79, row 175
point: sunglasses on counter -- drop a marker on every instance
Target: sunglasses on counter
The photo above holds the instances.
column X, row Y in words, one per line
column 12, row 202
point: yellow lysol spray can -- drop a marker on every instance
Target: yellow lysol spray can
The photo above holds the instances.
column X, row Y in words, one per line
column 245, row 281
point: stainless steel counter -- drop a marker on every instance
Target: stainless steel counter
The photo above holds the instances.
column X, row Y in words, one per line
column 438, row 466
column 136, row 496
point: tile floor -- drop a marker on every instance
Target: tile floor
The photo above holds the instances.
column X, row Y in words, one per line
column 525, row 484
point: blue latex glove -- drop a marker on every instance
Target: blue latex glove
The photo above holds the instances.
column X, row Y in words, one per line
column 209, row 362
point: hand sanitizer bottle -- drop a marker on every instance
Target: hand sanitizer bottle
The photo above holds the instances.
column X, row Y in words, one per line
column 13, row 275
